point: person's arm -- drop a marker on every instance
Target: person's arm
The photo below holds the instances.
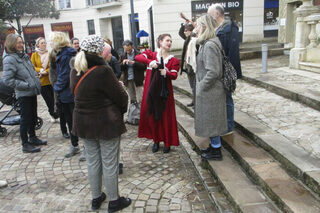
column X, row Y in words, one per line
column 212, row 63
column 34, row 62
column 63, row 76
column 173, row 72
column 9, row 73
column 181, row 32
column 234, row 54
column 144, row 57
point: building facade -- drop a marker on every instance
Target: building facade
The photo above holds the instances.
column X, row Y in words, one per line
column 257, row 19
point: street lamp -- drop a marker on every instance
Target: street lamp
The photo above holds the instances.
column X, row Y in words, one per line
column 133, row 27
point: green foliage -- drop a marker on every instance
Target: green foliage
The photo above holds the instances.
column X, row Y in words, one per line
column 14, row 10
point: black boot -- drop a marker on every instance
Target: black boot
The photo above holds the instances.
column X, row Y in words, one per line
column 214, row 154
column 166, row 149
column 29, row 148
column 117, row 205
column 155, row 147
column 120, row 168
column 96, row 203
column 36, row 141
column 206, row 150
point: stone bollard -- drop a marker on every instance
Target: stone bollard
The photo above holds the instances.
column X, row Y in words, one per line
column 264, row 49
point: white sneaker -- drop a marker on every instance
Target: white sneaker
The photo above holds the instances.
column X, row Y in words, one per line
column 3, row 183
column 228, row 133
column 53, row 120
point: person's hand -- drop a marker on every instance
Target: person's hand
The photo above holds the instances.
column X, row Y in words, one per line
column 131, row 62
column 122, row 84
column 125, row 61
column 163, row 72
column 153, row 64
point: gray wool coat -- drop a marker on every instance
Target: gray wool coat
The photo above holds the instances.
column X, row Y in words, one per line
column 210, row 98
column 19, row 73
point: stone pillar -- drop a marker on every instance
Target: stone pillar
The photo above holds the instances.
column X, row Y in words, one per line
column 298, row 53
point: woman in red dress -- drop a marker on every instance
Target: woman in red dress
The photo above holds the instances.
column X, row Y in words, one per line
column 152, row 125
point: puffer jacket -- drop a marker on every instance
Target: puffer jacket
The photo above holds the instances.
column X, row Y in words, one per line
column 19, row 73
column 63, row 75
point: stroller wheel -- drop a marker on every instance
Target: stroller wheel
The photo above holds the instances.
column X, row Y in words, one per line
column 39, row 123
column 3, row 131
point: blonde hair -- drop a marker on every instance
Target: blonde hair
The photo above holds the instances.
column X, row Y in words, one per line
column 11, row 42
column 208, row 27
column 80, row 62
column 38, row 41
column 59, row 40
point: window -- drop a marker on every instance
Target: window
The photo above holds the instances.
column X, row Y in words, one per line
column 63, row 4
column 91, row 29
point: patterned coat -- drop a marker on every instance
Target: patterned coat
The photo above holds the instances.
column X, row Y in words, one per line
column 210, row 100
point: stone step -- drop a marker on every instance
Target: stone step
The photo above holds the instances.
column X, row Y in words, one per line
column 286, row 191
column 242, row 193
column 292, row 91
column 309, row 66
column 211, row 184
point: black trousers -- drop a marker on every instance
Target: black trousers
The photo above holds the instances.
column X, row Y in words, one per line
column 62, row 119
column 48, row 96
column 67, row 109
column 28, row 117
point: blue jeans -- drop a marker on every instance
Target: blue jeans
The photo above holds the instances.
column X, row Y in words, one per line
column 230, row 112
column 215, row 142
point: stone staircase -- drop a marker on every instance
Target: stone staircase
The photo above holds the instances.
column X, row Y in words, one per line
column 263, row 170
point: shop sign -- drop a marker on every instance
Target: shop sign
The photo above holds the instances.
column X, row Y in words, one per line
column 202, row 6
column 62, row 27
column 33, row 29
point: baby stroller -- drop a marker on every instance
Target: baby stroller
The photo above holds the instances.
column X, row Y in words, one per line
column 12, row 116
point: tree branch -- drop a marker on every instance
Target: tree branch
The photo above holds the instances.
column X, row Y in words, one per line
column 29, row 21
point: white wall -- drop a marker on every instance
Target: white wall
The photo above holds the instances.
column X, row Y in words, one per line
column 167, row 19
column 253, row 20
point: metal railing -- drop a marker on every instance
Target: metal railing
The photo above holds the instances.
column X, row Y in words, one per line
column 98, row 2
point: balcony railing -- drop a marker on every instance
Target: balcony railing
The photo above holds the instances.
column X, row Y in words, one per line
column 99, row 2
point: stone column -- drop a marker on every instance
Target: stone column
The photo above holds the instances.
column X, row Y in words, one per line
column 298, row 53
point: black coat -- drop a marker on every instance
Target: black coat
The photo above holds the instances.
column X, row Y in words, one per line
column 228, row 34
column 185, row 46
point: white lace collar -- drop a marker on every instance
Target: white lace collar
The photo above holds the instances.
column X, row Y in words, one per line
column 165, row 61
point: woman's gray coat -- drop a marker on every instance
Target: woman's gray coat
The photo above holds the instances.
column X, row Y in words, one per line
column 19, row 73
column 210, row 100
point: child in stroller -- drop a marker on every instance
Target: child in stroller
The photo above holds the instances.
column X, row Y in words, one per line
column 8, row 117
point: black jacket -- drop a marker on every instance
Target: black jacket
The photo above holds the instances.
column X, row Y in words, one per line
column 138, row 69
column 228, row 34
column 185, row 46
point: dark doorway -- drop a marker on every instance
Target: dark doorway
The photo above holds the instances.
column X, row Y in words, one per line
column 152, row 47
column 117, row 33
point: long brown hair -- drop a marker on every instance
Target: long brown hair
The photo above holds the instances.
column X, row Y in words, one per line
column 161, row 37
column 11, row 42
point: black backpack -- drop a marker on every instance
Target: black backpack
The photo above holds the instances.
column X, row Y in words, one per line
column 229, row 75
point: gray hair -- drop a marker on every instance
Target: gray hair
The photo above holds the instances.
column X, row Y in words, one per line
column 127, row 43
column 218, row 9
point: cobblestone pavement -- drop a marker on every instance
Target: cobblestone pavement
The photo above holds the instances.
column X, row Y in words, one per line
column 48, row 182
column 299, row 123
